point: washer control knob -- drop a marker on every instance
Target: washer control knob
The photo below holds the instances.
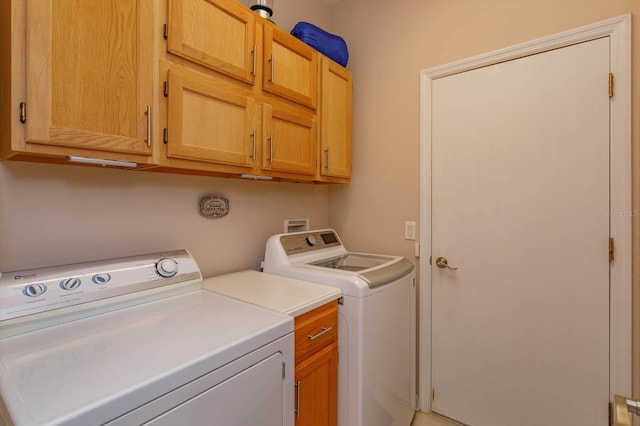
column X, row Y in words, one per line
column 34, row 290
column 311, row 240
column 70, row 283
column 167, row 267
column 101, row 279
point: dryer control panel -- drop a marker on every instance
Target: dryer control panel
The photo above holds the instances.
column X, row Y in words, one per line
column 301, row 242
column 29, row 295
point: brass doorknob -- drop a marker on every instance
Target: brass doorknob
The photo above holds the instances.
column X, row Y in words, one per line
column 441, row 262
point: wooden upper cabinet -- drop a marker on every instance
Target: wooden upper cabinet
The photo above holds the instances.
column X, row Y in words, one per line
column 290, row 67
column 289, row 140
column 218, row 34
column 335, row 117
column 89, row 74
column 210, row 123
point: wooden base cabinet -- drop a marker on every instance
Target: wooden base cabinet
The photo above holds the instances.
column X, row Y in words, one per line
column 316, row 377
column 316, row 373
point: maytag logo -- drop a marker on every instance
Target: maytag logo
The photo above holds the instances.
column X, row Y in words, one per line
column 22, row 277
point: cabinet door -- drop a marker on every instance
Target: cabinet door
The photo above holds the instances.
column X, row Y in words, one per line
column 316, row 389
column 218, row 34
column 208, row 122
column 290, row 140
column 290, row 67
column 335, row 120
column 89, row 74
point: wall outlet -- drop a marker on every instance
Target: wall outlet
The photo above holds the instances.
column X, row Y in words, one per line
column 410, row 231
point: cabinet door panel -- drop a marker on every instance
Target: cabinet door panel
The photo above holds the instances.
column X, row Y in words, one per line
column 316, row 379
column 290, row 141
column 335, row 120
column 290, row 67
column 218, row 34
column 89, row 73
column 209, row 123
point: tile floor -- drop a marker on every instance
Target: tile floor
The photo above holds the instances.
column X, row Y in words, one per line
column 424, row 419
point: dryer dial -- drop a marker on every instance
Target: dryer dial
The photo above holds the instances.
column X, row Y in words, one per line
column 70, row 283
column 34, row 290
column 101, row 279
column 311, row 240
column 167, row 267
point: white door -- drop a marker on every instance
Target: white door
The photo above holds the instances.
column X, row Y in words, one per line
column 520, row 200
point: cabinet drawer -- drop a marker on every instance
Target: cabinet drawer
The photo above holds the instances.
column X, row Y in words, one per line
column 316, row 329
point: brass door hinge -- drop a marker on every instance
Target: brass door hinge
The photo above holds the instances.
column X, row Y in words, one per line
column 611, row 249
column 611, row 85
column 433, row 394
column 165, row 136
column 165, row 89
column 165, row 31
column 23, row 112
column 610, row 413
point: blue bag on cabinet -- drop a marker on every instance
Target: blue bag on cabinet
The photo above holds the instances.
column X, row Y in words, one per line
column 326, row 43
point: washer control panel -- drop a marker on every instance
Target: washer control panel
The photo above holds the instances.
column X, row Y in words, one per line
column 45, row 289
column 301, row 242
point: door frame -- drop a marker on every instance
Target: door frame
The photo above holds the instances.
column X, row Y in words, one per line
column 620, row 333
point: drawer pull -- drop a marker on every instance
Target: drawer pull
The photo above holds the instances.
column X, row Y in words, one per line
column 325, row 330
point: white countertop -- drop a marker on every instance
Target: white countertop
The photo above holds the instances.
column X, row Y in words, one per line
column 286, row 295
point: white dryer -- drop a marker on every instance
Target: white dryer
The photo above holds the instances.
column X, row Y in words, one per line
column 134, row 341
column 377, row 322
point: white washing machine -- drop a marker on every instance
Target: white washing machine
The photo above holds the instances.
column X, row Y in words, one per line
column 377, row 322
column 135, row 341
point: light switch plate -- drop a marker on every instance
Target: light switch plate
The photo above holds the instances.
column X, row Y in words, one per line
column 410, row 230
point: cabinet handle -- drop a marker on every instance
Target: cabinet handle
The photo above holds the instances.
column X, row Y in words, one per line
column 253, row 150
column 297, row 409
column 255, row 57
column 271, row 148
column 328, row 151
column 148, row 125
column 272, row 79
column 325, row 330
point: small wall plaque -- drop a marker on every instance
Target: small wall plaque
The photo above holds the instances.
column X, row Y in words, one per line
column 214, row 206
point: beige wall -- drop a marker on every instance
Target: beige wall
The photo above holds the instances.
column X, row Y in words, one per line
column 57, row 214
column 287, row 13
column 390, row 42
column 54, row 214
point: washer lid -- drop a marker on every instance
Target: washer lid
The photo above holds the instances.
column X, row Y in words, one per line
column 355, row 262
column 92, row 370
column 375, row 269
